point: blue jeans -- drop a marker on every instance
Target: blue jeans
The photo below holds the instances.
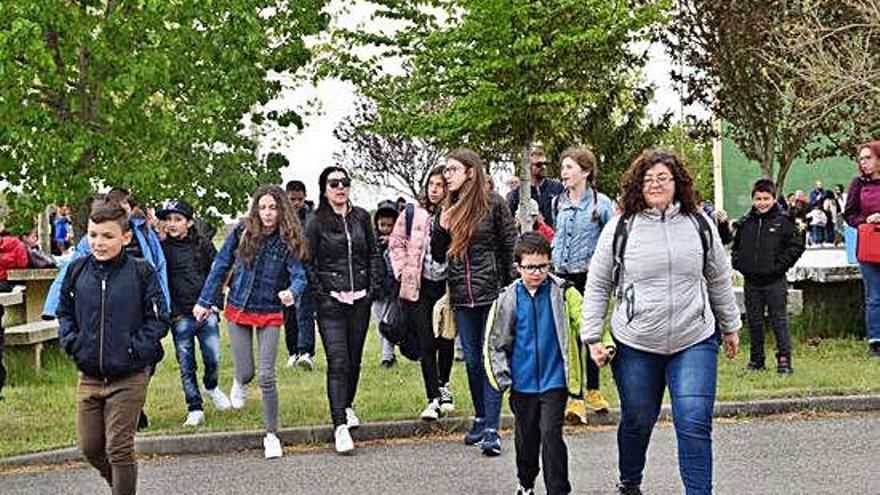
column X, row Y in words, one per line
column 641, row 378
column 185, row 332
column 871, row 281
column 471, row 323
column 817, row 233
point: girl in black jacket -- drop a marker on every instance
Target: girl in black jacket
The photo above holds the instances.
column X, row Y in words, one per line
column 477, row 233
column 188, row 258
column 342, row 250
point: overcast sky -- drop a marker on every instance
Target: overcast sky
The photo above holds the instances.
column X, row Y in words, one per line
column 312, row 149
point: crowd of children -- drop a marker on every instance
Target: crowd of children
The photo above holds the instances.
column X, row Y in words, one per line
column 515, row 301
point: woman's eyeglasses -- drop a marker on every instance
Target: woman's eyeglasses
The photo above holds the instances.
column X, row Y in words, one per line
column 452, row 170
column 660, row 180
column 337, row 183
column 536, row 269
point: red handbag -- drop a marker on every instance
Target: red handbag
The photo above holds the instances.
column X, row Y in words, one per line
column 868, row 243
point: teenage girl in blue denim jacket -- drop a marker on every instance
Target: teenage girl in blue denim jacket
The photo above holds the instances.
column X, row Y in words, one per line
column 265, row 253
column 581, row 213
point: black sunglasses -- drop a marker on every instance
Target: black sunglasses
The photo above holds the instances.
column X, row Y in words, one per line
column 336, row 183
column 540, row 164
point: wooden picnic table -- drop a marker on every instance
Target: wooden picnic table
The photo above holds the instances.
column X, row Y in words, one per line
column 23, row 318
column 37, row 283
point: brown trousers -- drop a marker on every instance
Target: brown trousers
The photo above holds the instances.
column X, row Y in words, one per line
column 106, row 421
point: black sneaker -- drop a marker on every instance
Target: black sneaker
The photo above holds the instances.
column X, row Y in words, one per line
column 475, row 435
column 874, row 349
column 628, row 489
column 491, row 443
column 755, row 365
column 389, row 363
column 783, row 366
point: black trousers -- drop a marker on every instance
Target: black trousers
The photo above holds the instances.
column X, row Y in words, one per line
column 291, row 330
column 420, row 316
column 343, row 329
column 580, row 281
column 538, row 420
column 773, row 297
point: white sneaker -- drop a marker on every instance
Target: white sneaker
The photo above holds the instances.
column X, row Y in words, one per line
column 432, row 411
column 305, row 362
column 194, row 418
column 291, row 361
column 221, row 402
column 344, row 443
column 272, row 446
column 237, row 395
column 351, row 419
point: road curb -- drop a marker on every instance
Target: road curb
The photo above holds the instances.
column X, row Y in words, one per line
column 233, row 441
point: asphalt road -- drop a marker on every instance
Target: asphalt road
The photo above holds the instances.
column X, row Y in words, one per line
column 794, row 455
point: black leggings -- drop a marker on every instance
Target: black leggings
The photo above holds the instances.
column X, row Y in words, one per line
column 580, row 281
column 420, row 320
column 343, row 329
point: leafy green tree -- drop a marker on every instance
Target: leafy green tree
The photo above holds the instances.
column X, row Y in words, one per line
column 147, row 94
column 494, row 75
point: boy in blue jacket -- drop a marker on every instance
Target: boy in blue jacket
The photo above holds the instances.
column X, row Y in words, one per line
column 112, row 316
column 531, row 347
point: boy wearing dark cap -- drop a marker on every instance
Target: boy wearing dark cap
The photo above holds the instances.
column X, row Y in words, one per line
column 383, row 224
column 188, row 257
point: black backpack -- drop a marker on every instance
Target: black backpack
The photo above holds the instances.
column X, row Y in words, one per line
column 394, row 324
column 621, row 235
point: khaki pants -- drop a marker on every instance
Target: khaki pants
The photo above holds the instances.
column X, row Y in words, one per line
column 106, row 421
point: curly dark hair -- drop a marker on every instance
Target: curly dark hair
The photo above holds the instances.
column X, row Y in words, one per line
column 633, row 198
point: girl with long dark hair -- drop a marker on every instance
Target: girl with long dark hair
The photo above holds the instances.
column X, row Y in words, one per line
column 475, row 234
column 265, row 253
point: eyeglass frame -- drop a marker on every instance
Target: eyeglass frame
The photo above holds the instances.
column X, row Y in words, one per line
column 648, row 181
column 542, row 269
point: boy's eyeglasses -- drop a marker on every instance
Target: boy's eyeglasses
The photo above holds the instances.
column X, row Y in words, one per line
column 536, row 269
column 337, row 183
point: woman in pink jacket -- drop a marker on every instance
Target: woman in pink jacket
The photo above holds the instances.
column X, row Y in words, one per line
column 422, row 283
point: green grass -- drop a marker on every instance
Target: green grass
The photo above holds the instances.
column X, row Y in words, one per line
column 38, row 412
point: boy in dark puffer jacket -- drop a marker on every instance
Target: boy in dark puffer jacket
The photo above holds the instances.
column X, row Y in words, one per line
column 765, row 246
column 112, row 316
column 188, row 257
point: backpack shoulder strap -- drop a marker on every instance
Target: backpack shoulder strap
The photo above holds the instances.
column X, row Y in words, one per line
column 618, row 246
column 410, row 212
column 705, row 232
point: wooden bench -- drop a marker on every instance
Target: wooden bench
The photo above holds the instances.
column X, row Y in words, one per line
column 33, row 334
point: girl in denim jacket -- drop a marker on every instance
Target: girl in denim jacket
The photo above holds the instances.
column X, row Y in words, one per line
column 265, row 253
column 581, row 213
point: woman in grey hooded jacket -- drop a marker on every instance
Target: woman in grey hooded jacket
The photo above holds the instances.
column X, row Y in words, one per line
column 669, row 295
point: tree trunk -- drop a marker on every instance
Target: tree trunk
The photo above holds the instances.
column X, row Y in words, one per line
column 525, row 209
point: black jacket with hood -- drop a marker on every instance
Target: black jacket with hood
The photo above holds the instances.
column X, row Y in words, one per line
column 766, row 245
